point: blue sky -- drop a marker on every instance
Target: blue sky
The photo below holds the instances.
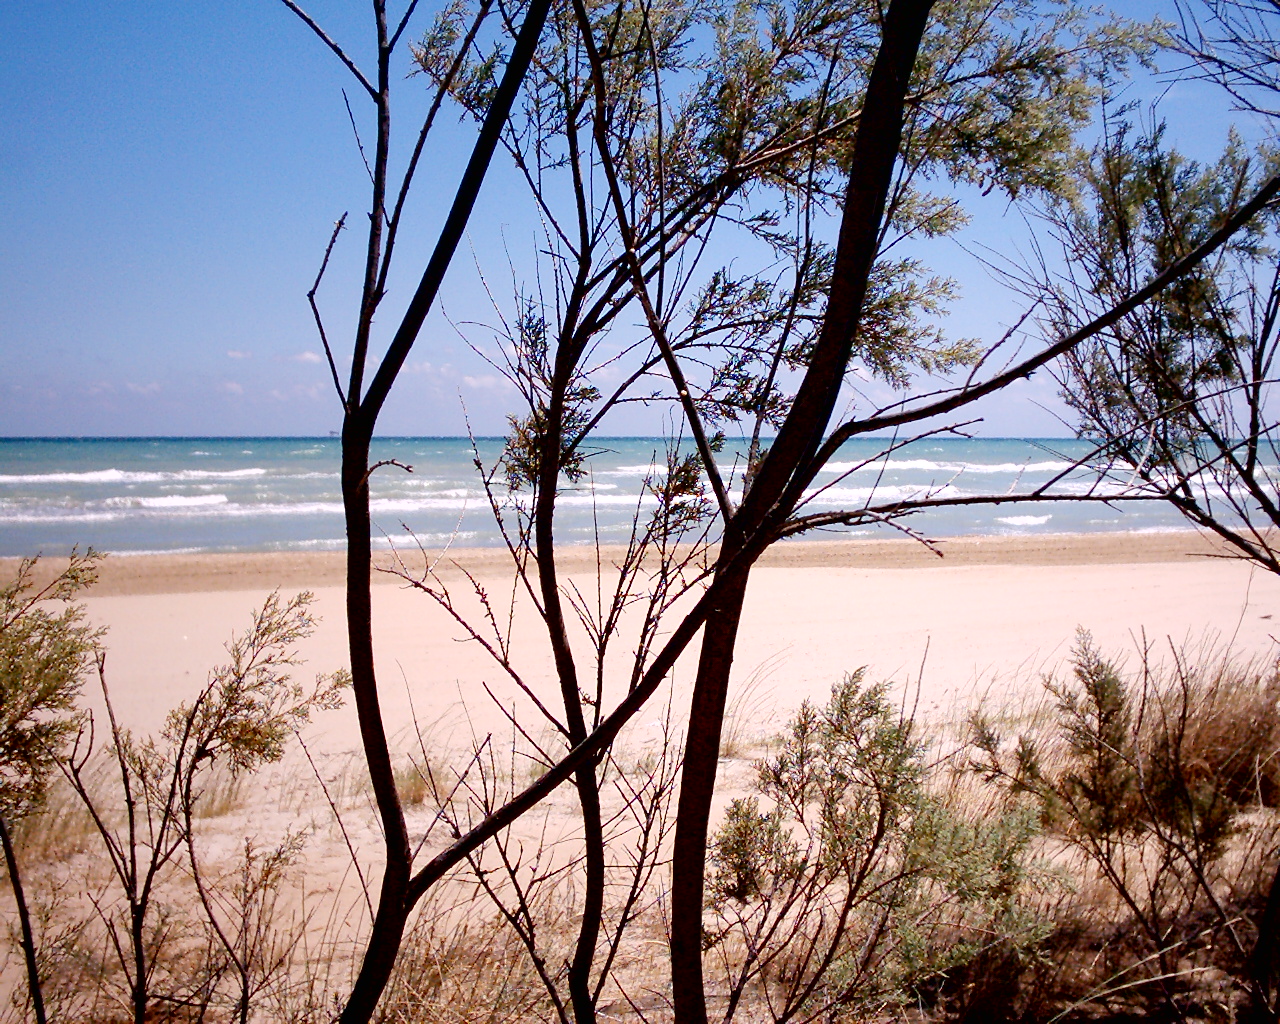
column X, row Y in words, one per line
column 169, row 175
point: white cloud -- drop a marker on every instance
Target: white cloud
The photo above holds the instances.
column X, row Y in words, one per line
column 143, row 389
column 232, row 387
column 235, row 353
column 435, row 371
column 488, row 381
column 297, row 391
column 309, row 357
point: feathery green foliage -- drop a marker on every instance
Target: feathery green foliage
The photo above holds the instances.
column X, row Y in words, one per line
column 251, row 705
column 738, row 116
column 43, row 658
column 1150, row 775
column 1186, row 753
column 855, row 875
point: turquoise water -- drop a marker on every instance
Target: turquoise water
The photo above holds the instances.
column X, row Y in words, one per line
column 269, row 494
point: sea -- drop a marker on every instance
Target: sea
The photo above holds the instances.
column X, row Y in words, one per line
column 197, row 494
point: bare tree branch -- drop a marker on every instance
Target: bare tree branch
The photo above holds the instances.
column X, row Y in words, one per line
column 338, row 51
column 315, row 310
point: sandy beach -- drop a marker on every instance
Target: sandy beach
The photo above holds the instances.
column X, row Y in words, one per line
column 123, row 575
column 992, row 614
column 987, row 621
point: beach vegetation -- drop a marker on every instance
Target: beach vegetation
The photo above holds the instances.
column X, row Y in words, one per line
column 1162, row 778
column 1107, row 852
column 868, row 877
column 43, row 660
column 412, row 784
column 817, row 143
column 147, row 796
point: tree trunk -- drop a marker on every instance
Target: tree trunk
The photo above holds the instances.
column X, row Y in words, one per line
column 784, row 474
column 24, row 919
column 697, row 787
column 1266, row 958
column 585, row 782
column 393, row 909
column 137, row 932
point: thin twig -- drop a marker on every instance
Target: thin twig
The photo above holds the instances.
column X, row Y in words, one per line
column 315, row 309
column 324, row 38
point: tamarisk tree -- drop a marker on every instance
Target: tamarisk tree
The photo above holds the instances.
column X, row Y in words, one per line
column 818, row 137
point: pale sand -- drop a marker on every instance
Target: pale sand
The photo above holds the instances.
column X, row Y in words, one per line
column 994, row 613
column 178, row 574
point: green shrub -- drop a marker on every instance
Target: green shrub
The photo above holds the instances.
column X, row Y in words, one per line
column 857, row 872
column 43, row 658
column 1151, row 774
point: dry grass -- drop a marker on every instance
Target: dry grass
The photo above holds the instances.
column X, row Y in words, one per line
column 411, row 784
column 60, row 830
column 1087, row 959
column 1156, row 778
column 746, row 717
column 463, row 968
column 1230, row 729
column 221, row 795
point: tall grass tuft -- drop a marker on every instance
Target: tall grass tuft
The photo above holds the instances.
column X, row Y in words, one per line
column 1158, row 782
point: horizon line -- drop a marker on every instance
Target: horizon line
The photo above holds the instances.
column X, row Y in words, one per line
column 461, row 437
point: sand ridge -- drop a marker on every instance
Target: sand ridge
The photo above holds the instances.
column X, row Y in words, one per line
column 291, row 570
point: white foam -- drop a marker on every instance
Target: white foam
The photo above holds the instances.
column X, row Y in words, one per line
column 219, row 510
column 406, row 542
column 1024, row 520
column 217, row 507
column 315, row 544
column 63, row 517
column 629, row 500
column 928, row 465
column 858, row 496
column 652, row 469
column 169, row 501
column 120, row 476
column 400, row 505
